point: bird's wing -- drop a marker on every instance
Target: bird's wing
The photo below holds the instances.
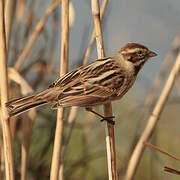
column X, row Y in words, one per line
column 77, row 74
column 94, row 84
column 83, row 94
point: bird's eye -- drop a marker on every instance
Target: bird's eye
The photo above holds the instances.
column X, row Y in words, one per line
column 139, row 52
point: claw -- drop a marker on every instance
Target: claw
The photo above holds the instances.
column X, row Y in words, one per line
column 108, row 119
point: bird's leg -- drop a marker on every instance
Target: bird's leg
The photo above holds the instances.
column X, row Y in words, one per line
column 108, row 119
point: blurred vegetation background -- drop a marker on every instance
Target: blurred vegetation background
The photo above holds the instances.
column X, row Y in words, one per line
column 153, row 23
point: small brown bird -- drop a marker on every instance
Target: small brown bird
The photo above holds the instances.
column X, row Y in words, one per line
column 99, row 82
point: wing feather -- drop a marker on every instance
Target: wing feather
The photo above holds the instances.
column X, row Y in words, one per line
column 89, row 85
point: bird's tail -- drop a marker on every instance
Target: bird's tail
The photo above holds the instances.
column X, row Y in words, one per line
column 18, row 106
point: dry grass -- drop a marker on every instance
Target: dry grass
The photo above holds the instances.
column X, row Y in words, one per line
column 7, row 143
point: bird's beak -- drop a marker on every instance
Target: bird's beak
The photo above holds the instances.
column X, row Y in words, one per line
column 152, row 54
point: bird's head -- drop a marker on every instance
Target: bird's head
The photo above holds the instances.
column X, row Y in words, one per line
column 136, row 54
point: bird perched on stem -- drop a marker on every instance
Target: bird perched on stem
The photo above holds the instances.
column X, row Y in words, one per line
column 97, row 83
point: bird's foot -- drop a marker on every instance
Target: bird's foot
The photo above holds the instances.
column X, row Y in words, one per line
column 108, row 119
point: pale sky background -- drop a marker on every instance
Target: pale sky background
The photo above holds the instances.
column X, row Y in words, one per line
column 153, row 23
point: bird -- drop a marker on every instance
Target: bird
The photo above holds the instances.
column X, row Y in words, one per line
column 97, row 83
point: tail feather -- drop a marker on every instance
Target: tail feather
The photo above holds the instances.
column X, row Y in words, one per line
column 18, row 106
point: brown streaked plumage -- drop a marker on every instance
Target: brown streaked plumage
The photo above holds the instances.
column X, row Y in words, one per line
column 97, row 83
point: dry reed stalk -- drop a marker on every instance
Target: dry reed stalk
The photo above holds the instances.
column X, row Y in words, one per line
column 9, row 14
column 153, row 119
column 57, row 151
column 93, row 36
column 8, row 158
column 35, row 34
column 110, row 140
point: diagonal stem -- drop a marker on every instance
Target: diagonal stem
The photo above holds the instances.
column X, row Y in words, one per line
column 35, row 34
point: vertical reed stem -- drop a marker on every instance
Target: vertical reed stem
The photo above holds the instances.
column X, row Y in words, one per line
column 93, row 36
column 110, row 140
column 9, row 170
column 63, row 70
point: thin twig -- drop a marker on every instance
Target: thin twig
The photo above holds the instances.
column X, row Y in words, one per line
column 110, row 141
column 171, row 170
column 160, row 150
column 57, row 151
column 35, row 34
column 9, row 169
column 153, row 119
